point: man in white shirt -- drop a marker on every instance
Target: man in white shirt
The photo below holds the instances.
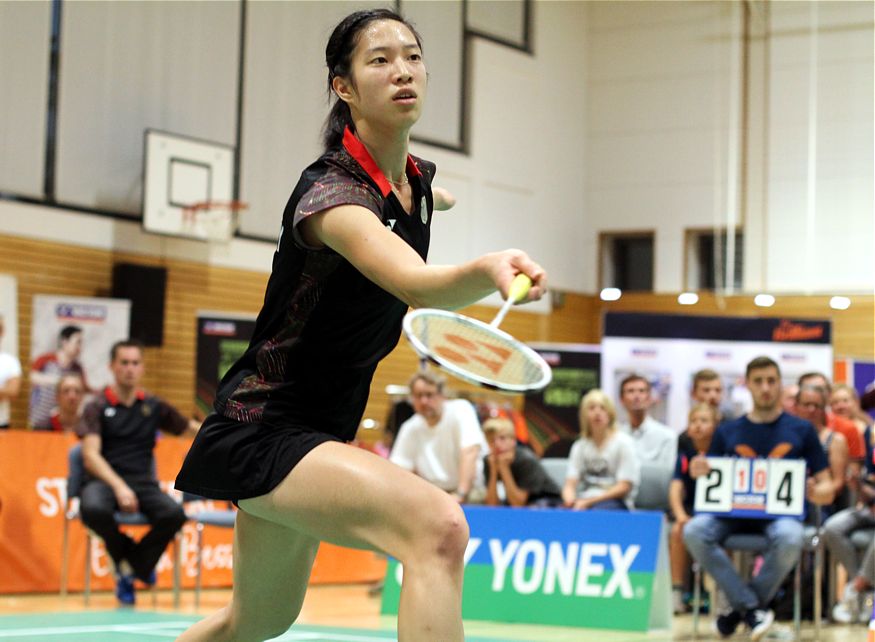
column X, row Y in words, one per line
column 10, row 381
column 655, row 443
column 442, row 442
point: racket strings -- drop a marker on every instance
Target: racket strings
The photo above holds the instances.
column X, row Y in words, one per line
column 481, row 351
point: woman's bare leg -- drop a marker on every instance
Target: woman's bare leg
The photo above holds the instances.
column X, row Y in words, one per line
column 346, row 496
column 271, row 569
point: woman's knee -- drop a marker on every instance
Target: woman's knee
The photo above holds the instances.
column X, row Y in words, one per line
column 443, row 532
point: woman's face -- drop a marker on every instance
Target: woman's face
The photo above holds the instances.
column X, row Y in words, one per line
column 841, row 403
column 596, row 416
column 388, row 74
column 701, row 426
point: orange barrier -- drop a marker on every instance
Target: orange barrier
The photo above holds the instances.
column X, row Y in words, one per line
column 33, row 472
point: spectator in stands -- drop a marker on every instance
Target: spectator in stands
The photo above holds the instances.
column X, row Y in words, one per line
column 515, row 471
column 46, row 371
column 702, row 422
column 845, row 402
column 118, row 431
column 836, row 536
column 10, row 381
column 811, row 406
column 788, row 398
column 708, row 388
column 70, row 393
column 654, row 441
column 603, row 469
column 442, row 442
column 765, row 431
column 856, row 448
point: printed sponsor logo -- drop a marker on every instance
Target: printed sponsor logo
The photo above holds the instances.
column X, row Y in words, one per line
column 717, row 356
column 570, row 568
column 220, row 328
column 646, row 353
column 797, row 358
column 83, row 312
column 789, row 331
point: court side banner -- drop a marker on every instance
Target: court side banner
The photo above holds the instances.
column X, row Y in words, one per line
column 551, row 414
column 594, row 569
column 668, row 349
column 221, row 339
column 33, row 493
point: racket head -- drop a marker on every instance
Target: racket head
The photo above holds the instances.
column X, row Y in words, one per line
column 476, row 351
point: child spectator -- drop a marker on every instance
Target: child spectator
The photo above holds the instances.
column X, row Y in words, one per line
column 603, row 469
column 702, row 421
column 525, row 481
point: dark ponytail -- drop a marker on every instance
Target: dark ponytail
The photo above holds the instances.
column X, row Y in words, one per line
column 338, row 58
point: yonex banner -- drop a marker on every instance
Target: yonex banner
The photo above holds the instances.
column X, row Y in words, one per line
column 595, row 569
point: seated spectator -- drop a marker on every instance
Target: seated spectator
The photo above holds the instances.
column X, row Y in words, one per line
column 836, row 536
column 845, row 402
column 788, row 398
column 46, row 371
column 118, row 431
column 707, row 388
column 10, row 382
column 516, row 471
column 70, row 393
column 442, row 442
column 763, row 432
column 603, row 469
column 702, row 422
column 811, row 406
column 654, row 441
column 856, row 448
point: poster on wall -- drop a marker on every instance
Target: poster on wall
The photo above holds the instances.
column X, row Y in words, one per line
column 222, row 338
column 669, row 349
column 9, row 313
column 71, row 335
column 551, row 414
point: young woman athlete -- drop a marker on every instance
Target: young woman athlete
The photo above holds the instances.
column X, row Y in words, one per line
column 350, row 260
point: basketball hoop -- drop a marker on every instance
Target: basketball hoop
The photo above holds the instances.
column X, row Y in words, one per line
column 214, row 221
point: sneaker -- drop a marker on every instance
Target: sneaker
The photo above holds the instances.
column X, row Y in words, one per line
column 848, row 610
column 758, row 621
column 725, row 624
column 867, row 607
column 124, row 589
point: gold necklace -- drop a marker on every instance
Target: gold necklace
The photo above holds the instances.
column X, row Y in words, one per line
column 399, row 184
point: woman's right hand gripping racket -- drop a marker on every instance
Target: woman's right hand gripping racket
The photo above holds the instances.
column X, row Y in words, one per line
column 479, row 352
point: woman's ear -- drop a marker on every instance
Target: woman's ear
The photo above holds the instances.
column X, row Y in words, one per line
column 342, row 88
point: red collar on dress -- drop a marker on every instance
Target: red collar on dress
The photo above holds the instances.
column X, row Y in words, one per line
column 359, row 152
column 113, row 399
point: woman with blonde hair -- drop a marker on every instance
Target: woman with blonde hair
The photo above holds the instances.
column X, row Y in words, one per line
column 603, row 471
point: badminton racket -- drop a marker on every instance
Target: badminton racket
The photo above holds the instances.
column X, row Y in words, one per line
column 479, row 352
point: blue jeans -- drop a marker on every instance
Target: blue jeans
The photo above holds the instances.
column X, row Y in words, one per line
column 704, row 535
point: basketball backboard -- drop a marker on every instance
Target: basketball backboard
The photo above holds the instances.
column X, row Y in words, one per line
column 181, row 172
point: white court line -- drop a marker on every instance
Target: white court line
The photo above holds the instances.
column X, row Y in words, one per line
column 102, row 628
column 178, row 627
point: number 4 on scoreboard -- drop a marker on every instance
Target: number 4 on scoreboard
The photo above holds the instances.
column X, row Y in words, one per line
column 786, row 493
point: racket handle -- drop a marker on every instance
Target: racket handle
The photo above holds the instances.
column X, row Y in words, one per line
column 519, row 288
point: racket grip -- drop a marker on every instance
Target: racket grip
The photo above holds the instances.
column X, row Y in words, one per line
column 519, row 288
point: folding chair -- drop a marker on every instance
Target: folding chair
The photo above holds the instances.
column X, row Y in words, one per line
column 75, row 481
column 741, row 545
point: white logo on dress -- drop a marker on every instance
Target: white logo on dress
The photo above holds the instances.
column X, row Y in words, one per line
column 391, row 223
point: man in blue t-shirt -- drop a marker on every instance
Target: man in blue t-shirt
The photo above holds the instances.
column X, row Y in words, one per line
column 766, row 431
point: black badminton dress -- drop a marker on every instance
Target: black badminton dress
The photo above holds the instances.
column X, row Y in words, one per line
column 323, row 328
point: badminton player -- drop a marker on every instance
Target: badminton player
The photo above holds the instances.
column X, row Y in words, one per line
column 349, row 262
